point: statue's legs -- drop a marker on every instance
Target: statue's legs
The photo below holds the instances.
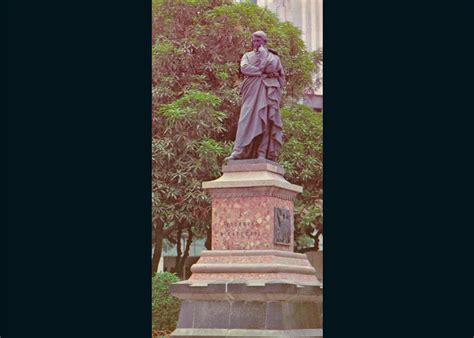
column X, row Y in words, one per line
column 236, row 154
column 265, row 142
column 266, row 148
column 261, row 147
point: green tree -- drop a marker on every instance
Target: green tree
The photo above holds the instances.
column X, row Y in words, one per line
column 317, row 56
column 197, row 47
column 302, row 158
column 185, row 154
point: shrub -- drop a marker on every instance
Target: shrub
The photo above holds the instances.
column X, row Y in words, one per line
column 165, row 307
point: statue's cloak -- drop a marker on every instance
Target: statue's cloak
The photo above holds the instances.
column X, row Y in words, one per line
column 261, row 95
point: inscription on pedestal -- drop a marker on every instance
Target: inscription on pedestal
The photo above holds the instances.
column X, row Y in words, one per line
column 282, row 226
column 241, row 235
column 244, row 230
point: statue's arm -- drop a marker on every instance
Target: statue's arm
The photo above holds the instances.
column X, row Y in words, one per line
column 249, row 69
column 281, row 74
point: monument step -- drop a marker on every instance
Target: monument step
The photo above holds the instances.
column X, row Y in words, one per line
column 224, row 333
column 241, row 310
column 263, row 265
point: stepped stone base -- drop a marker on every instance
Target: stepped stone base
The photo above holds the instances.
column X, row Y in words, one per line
column 251, row 284
column 258, row 266
column 245, row 310
column 224, row 333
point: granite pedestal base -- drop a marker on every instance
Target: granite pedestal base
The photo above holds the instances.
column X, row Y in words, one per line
column 252, row 283
column 233, row 309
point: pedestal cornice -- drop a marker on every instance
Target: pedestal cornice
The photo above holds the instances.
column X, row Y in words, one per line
column 252, row 173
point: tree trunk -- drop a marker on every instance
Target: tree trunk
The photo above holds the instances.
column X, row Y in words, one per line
column 158, row 247
column 182, row 263
column 316, row 239
column 178, row 251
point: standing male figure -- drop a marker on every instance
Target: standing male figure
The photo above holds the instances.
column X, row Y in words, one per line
column 259, row 132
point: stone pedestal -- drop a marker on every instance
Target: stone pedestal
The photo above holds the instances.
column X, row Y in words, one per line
column 251, row 283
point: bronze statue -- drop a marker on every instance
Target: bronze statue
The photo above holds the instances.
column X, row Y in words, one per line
column 259, row 132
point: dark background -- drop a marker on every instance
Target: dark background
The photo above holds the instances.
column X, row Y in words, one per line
column 398, row 170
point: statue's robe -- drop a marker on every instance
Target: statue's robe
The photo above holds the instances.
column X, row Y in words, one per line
column 260, row 111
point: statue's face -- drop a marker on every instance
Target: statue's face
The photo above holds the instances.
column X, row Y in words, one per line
column 257, row 42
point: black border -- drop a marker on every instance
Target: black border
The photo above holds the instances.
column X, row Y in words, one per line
column 398, row 168
column 79, row 169
column 397, row 179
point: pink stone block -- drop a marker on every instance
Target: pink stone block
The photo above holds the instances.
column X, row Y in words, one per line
column 247, row 223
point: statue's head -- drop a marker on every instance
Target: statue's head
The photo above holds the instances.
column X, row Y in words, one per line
column 259, row 38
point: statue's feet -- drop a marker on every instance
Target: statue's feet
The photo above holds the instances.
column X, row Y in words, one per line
column 232, row 157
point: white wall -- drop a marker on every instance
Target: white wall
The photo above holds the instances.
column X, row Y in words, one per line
column 307, row 15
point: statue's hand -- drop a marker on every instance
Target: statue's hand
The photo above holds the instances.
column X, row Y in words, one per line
column 273, row 74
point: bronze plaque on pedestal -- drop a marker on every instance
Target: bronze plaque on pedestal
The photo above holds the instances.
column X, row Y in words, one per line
column 282, row 226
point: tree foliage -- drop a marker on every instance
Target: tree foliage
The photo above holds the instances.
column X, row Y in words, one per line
column 185, row 154
column 302, row 158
